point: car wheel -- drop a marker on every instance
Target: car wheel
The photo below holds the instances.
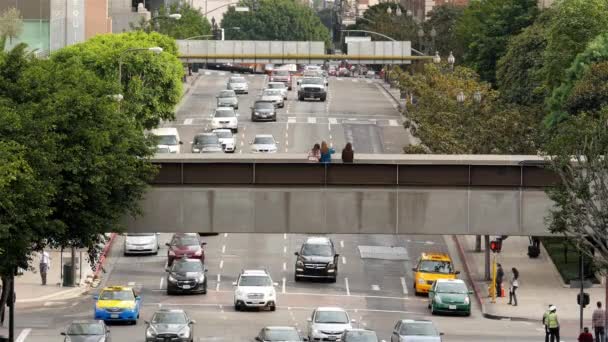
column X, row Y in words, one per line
column 334, row 279
column 433, row 312
column 273, row 307
column 236, row 130
column 296, row 278
column 205, row 287
column 300, row 98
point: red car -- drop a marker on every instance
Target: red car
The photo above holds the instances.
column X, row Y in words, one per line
column 185, row 245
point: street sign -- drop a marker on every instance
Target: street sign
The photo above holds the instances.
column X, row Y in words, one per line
column 241, row 9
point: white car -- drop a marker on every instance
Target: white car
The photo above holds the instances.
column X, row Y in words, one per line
column 226, row 139
column 264, row 143
column 274, row 95
column 238, row 84
column 168, row 140
column 279, row 85
column 141, row 243
column 225, row 117
column 328, row 324
column 254, row 288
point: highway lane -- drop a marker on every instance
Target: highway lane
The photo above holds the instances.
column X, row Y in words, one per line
column 356, row 110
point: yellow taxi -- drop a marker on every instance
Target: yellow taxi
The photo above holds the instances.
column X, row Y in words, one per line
column 117, row 303
column 432, row 266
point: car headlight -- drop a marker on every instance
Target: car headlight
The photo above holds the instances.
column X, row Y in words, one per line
column 467, row 300
column 150, row 332
column 315, row 332
column 185, row 332
column 172, row 279
column 437, row 299
column 299, row 263
column 420, row 281
column 196, row 150
column 201, row 279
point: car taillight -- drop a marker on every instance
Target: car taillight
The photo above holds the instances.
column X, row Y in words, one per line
column 198, row 253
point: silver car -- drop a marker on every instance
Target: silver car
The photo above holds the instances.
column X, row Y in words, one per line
column 278, row 85
column 409, row 330
column 170, row 325
column 264, row 143
column 328, row 324
column 273, row 95
column 227, row 98
column 87, row 331
column 141, row 243
column 238, row 84
column 359, row 335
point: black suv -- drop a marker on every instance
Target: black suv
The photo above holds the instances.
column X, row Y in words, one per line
column 317, row 259
column 186, row 276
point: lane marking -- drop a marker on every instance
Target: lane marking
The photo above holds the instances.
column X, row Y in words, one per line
column 341, row 243
column 221, row 264
column 285, row 236
column 223, row 249
column 23, row 335
column 188, row 122
column 393, row 123
column 291, row 119
column 283, row 286
column 355, row 80
column 219, row 277
column 347, row 288
column 162, row 280
column 207, row 73
column 333, row 121
column 225, row 235
column 217, row 287
column 284, row 266
column 344, row 260
column 284, row 249
column 375, row 287
column 312, row 120
column 403, row 285
column 131, row 283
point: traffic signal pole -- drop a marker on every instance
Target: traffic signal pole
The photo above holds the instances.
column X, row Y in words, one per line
column 582, row 276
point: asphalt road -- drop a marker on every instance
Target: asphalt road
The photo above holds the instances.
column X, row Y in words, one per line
column 357, row 110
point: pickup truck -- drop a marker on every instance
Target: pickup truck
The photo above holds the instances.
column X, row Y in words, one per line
column 312, row 87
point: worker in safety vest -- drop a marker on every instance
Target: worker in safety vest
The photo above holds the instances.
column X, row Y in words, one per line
column 546, row 323
column 553, row 323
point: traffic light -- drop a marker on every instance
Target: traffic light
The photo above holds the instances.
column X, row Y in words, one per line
column 585, row 299
column 496, row 245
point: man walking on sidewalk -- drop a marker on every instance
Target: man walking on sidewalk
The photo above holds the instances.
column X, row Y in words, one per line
column 500, row 274
column 45, row 264
column 553, row 324
column 598, row 323
column 546, row 323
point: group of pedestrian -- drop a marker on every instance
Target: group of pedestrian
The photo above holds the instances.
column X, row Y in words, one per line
column 552, row 327
column 513, row 284
column 322, row 153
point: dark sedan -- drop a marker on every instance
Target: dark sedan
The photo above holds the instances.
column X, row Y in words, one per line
column 170, row 325
column 87, row 331
column 186, row 276
column 263, row 111
column 185, row 245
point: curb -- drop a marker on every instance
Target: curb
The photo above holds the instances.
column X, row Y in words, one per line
column 102, row 258
column 383, row 85
column 195, row 78
column 465, row 264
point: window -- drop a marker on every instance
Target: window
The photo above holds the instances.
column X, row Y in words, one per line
column 264, row 105
column 329, row 317
column 206, row 140
column 450, row 287
column 224, row 134
column 117, row 295
column 281, row 335
column 167, row 140
column 418, row 329
column 263, row 141
column 224, row 113
column 237, row 80
column 227, row 93
column 312, row 81
column 188, row 266
column 169, row 318
column 86, row 329
column 272, row 92
column 361, row 336
column 185, row 241
column 247, row 280
column 319, row 250
column 281, row 73
column 432, row 266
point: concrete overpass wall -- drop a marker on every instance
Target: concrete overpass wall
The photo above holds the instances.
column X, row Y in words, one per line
column 387, row 194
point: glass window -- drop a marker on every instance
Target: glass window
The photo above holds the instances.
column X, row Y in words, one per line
column 167, row 140
column 224, row 113
column 312, row 81
column 319, row 250
column 117, row 295
column 335, row 317
column 281, row 73
column 187, row 266
column 272, row 92
column 227, row 93
column 169, row 318
column 237, row 80
column 264, row 105
column 361, row 336
column 185, row 241
column 263, row 141
column 281, row 335
column 450, row 287
column 86, row 329
column 276, row 85
column 255, row 281
column 224, row 134
column 207, row 139
column 432, row 266
column 418, row 329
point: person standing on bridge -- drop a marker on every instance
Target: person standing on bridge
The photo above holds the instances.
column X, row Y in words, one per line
column 315, row 153
column 500, row 274
column 597, row 320
column 326, row 153
column 514, row 286
column 348, row 155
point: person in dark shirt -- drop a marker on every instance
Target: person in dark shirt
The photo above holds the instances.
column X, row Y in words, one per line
column 348, row 155
column 585, row 336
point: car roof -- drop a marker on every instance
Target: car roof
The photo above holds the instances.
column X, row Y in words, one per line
column 254, row 272
column 164, row 131
column 222, row 108
column 204, row 134
column 273, row 327
column 450, row 281
column 222, row 130
column 263, row 136
column 318, row 240
column 417, row 321
column 170, row 310
column 117, row 288
column 435, row 256
column 89, row 321
column 277, row 83
column 329, row 308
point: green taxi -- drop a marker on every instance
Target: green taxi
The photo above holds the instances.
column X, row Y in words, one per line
column 450, row 296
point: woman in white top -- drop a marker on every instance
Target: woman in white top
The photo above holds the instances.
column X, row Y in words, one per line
column 514, row 285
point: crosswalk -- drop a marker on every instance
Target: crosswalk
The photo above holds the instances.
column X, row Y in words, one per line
column 310, row 120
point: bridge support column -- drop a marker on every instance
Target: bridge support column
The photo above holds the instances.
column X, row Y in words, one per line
column 478, row 244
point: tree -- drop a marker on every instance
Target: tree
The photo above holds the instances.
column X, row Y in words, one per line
column 192, row 23
column 485, row 28
column 398, row 27
column 151, row 84
column 11, row 24
column 325, row 15
column 482, row 126
column 443, row 19
column 574, row 24
column 580, row 209
column 276, row 20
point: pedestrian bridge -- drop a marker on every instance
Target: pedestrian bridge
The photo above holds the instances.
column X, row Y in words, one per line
column 378, row 194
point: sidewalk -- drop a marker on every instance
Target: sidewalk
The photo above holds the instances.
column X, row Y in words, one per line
column 190, row 81
column 539, row 283
column 394, row 92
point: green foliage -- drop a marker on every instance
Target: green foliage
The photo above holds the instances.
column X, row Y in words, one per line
column 444, row 19
column 574, row 24
column 192, row 23
column 325, row 15
column 286, row 20
column 151, row 84
column 376, row 19
column 446, row 126
column 485, row 28
column 11, row 24
column 578, row 91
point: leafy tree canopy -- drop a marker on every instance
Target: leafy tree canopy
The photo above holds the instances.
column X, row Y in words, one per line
column 485, row 28
column 444, row 19
column 286, row 20
column 192, row 23
column 398, row 27
column 151, row 84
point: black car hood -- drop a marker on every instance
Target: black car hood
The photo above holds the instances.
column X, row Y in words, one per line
column 86, row 338
column 316, row 258
column 186, row 275
column 168, row 328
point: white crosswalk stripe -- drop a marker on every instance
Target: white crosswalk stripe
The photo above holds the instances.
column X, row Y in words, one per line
column 188, row 122
column 312, row 120
column 333, row 121
column 393, row 123
column 291, row 119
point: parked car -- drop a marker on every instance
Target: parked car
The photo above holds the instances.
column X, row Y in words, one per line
column 450, row 296
column 264, row 143
column 170, row 325
column 227, row 98
column 186, row 276
column 87, row 331
column 226, row 139
column 141, row 243
column 225, row 117
column 254, row 289
column 409, row 330
column 185, row 245
column 263, row 111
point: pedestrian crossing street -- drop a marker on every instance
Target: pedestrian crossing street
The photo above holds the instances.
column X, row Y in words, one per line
column 310, row 120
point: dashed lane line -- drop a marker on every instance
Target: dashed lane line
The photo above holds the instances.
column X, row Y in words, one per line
column 283, row 285
column 341, row 243
column 221, row 264
column 333, row 121
column 312, row 120
column 225, row 235
column 23, row 335
column 375, row 287
column 223, row 249
column 162, row 280
column 346, row 285
column 284, row 249
column 393, row 123
column 188, row 122
column 403, row 285
column 284, row 266
column 344, row 260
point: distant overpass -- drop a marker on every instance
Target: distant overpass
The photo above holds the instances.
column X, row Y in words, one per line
column 379, row 194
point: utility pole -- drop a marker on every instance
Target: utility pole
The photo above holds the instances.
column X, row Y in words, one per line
column 582, row 276
column 11, row 308
column 487, row 257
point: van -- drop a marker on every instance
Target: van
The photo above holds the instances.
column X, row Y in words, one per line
column 168, row 140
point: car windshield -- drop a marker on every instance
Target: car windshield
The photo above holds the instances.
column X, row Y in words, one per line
column 264, row 105
column 271, row 92
column 281, row 73
column 223, row 134
column 263, row 141
column 281, row 335
column 335, row 317
column 224, row 113
column 188, row 266
column 185, row 241
column 312, row 81
column 255, row 281
column 452, row 287
column 237, row 80
column 418, row 329
column 361, row 336
column 85, row 329
column 318, row 250
column 169, row 318
column 431, row 266
column 167, row 140
column 210, row 139
column 276, row 85
column 117, row 295
column 227, row 93
column 163, row 150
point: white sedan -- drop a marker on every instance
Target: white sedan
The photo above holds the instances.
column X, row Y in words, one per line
column 225, row 117
column 264, row 143
column 273, row 95
column 226, row 139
